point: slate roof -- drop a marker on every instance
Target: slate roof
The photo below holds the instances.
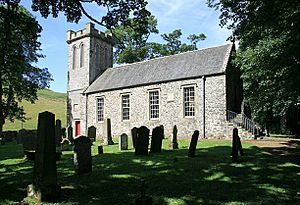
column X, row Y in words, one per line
column 187, row 65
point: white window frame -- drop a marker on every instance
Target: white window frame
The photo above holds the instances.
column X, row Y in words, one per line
column 189, row 101
column 100, row 109
column 154, row 100
column 125, row 102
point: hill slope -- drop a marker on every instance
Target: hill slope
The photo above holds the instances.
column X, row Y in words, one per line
column 48, row 100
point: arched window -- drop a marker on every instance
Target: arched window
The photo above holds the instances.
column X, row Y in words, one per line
column 74, row 57
column 106, row 58
column 98, row 56
column 82, row 55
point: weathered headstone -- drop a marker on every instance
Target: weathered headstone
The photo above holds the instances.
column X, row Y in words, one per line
column 107, row 132
column 92, row 133
column 100, row 150
column 58, row 133
column 29, row 140
column 134, row 132
column 45, row 187
column 142, row 141
column 156, row 139
column 236, row 145
column 163, row 130
column 174, row 143
column 82, row 155
column 123, row 142
column 70, row 134
column 193, row 144
column 143, row 199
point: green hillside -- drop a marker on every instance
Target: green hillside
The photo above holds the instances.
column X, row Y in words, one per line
column 48, row 100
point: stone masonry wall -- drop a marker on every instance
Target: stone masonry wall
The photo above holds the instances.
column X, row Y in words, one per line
column 171, row 108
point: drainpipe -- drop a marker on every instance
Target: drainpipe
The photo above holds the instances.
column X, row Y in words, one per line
column 86, row 114
column 203, row 87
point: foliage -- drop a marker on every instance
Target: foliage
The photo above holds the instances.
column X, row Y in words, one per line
column 269, row 52
column 118, row 11
column 19, row 51
column 48, row 100
column 209, row 178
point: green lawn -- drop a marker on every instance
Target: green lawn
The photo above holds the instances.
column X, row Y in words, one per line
column 209, row 178
column 48, row 100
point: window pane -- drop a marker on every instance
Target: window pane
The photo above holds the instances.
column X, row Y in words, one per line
column 154, row 104
column 189, row 101
column 125, row 107
column 100, row 109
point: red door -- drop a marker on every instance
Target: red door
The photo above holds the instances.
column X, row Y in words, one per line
column 77, row 128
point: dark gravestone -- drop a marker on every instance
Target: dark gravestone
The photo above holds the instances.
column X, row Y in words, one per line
column 92, row 133
column 142, row 141
column 100, row 150
column 29, row 140
column 156, row 139
column 44, row 187
column 70, row 134
column 134, row 132
column 163, row 130
column 58, row 133
column 174, row 143
column 123, row 142
column 107, row 133
column 193, row 144
column 82, row 155
column 236, row 145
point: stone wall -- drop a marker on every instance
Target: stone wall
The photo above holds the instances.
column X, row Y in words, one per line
column 171, row 108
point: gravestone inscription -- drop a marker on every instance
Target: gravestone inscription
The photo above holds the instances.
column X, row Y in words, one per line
column 123, row 142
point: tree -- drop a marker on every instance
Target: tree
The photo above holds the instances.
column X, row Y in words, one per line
column 196, row 38
column 269, row 52
column 131, row 45
column 118, row 11
column 19, row 51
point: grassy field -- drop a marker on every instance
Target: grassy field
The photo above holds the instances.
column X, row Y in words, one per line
column 209, row 178
column 48, row 100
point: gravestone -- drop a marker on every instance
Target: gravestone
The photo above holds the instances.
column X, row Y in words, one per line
column 107, row 132
column 193, row 144
column 100, row 150
column 163, row 130
column 82, row 155
column 134, row 136
column 142, row 141
column 123, row 142
column 58, row 133
column 45, row 187
column 174, row 143
column 236, row 145
column 92, row 133
column 70, row 134
column 156, row 139
column 29, row 139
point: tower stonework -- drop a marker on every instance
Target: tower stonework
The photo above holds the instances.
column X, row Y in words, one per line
column 90, row 53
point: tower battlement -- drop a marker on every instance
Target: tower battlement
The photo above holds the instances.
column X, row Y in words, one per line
column 88, row 31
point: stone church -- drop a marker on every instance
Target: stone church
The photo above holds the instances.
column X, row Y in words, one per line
column 193, row 90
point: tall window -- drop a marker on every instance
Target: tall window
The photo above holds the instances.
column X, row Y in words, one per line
column 106, row 57
column 100, row 109
column 125, row 107
column 82, row 55
column 154, row 104
column 98, row 56
column 189, row 101
column 74, row 57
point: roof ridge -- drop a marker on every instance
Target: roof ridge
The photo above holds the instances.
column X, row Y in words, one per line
column 161, row 57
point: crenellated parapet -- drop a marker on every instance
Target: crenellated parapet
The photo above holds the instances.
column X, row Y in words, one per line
column 89, row 31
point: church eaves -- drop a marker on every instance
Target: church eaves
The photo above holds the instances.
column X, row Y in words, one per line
column 187, row 65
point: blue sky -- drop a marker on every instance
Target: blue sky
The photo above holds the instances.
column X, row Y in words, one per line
column 191, row 16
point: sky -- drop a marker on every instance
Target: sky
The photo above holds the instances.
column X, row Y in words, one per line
column 191, row 16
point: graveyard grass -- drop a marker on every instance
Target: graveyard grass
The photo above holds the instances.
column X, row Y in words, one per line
column 172, row 177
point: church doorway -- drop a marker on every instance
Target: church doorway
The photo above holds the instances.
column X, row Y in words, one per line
column 77, row 128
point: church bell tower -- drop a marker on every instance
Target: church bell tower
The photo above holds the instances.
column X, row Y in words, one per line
column 90, row 53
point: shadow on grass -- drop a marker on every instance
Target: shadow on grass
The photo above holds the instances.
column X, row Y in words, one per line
column 172, row 178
